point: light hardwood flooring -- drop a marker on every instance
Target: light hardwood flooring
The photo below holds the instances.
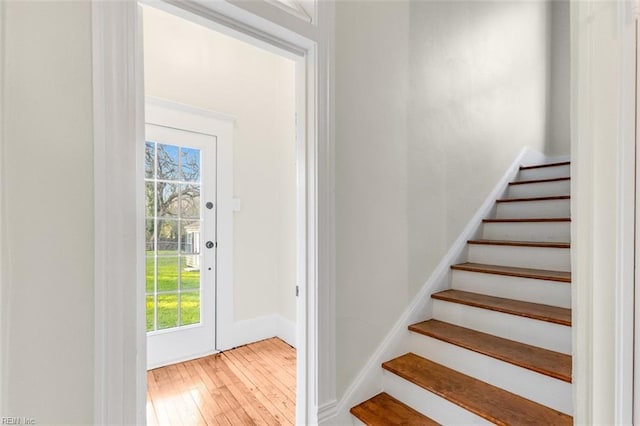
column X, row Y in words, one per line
column 250, row 385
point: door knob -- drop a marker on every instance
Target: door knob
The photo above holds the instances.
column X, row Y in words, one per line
column 209, row 244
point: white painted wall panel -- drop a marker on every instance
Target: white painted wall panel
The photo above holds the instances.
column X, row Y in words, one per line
column 48, row 190
column 372, row 71
column 559, row 84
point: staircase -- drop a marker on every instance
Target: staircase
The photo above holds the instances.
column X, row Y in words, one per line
column 498, row 349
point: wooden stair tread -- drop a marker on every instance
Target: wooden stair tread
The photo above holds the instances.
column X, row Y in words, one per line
column 532, row 219
column 536, row 311
column 525, row 182
column 383, row 409
column 489, row 402
column 541, row 166
column 543, row 244
column 543, row 361
column 519, row 200
column 512, row 271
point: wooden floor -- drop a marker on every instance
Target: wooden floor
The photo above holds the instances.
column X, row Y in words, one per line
column 249, row 385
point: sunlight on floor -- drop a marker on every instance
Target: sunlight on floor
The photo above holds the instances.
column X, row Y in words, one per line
column 250, row 385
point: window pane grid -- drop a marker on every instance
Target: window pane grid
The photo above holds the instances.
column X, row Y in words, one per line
column 174, row 292
column 172, row 177
column 174, row 181
column 155, row 241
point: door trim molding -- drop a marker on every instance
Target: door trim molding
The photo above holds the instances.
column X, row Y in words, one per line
column 603, row 194
column 626, row 222
column 120, row 353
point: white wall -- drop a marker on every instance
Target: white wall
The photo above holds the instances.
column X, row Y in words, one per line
column 285, row 165
column 191, row 64
column 559, row 135
column 372, row 70
column 434, row 100
column 478, row 95
column 47, row 186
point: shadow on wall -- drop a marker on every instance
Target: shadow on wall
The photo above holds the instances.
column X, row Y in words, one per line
column 429, row 116
column 480, row 75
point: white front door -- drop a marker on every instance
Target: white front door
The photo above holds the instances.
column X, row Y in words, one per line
column 180, row 244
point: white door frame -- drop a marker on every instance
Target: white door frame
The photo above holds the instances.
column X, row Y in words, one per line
column 120, row 352
column 603, row 206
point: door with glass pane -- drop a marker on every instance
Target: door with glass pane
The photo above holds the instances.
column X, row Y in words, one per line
column 180, row 244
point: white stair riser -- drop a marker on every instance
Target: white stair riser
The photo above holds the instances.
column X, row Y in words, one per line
column 542, row 189
column 527, row 231
column 551, row 259
column 554, row 337
column 356, row 422
column 545, row 173
column 428, row 403
column 529, row 290
column 529, row 209
column 537, row 387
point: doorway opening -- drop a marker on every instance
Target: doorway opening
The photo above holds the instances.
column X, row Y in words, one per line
column 180, row 230
column 224, row 250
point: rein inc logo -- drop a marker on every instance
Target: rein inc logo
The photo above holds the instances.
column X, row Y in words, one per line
column 17, row 421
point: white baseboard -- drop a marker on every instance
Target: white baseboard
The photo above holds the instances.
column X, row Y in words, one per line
column 180, row 359
column 327, row 412
column 253, row 330
column 286, row 330
column 264, row 327
column 369, row 380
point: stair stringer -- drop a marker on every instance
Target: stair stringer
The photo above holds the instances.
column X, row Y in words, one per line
column 369, row 380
